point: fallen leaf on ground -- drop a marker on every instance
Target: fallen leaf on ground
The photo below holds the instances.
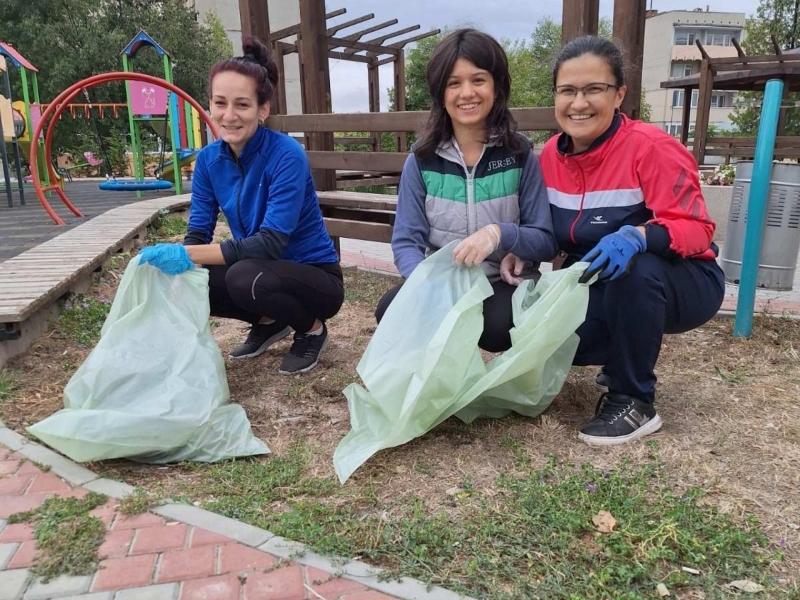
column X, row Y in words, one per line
column 690, row 570
column 604, row 522
column 662, row 590
column 745, row 585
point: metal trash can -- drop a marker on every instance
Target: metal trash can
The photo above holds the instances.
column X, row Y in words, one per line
column 781, row 241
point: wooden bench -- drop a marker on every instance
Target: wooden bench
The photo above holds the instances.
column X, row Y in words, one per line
column 32, row 282
column 359, row 168
column 744, row 148
column 361, row 215
column 358, row 215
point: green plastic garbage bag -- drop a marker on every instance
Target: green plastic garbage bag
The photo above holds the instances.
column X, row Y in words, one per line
column 154, row 388
column 423, row 363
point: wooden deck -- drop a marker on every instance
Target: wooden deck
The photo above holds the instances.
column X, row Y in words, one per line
column 23, row 227
column 32, row 281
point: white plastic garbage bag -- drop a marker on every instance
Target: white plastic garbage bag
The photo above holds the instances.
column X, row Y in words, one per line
column 423, row 363
column 154, row 388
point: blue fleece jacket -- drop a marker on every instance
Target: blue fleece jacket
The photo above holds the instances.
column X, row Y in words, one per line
column 268, row 198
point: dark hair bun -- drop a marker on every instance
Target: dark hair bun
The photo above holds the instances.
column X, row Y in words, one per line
column 259, row 50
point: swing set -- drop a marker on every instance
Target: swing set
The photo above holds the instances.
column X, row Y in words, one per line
column 61, row 102
column 149, row 104
column 150, row 100
column 112, row 183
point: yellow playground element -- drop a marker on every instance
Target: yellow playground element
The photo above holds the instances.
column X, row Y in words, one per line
column 19, row 106
column 6, row 116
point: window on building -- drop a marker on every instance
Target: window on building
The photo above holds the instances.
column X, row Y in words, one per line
column 718, row 39
column 677, row 99
column 681, row 69
column 723, row 99
column 684, row 37
column 674, row 129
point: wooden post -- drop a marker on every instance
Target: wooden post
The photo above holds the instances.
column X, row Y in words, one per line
column 579, row 17
column 254, row 15
column 313, row 44
column 279, row 101
column 685, row 114
column 703, row 110
column 782, row 113
column 373, row 80
column 629, row 20
column 400, row 97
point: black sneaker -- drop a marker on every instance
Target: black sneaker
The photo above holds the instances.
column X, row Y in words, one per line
column 619, row 419
column 260, row 338
column 305, row 352
column 603, row 380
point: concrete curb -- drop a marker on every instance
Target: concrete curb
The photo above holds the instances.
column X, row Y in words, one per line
column 255, row 537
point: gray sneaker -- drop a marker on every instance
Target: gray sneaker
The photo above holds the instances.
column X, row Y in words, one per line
column 260, row 338
column 619, row 419
column 305, row 352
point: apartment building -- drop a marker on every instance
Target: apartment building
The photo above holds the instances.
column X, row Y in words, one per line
column 670, row 51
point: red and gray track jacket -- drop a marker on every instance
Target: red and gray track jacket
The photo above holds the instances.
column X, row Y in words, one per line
column 634, row 174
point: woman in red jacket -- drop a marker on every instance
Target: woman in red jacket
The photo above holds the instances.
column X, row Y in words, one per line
column 625, row 197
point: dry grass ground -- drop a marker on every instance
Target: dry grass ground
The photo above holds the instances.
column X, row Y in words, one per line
column 731, row 409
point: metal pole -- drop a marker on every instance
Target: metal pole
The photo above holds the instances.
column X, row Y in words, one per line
column 4, row 155
column 757, row 207
column 6, row 171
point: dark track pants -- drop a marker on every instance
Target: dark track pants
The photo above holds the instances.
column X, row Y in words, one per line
column 286, row 291
column 627, row 318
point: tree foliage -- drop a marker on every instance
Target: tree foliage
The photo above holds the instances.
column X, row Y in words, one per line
column 69, row 40
column 774, row 18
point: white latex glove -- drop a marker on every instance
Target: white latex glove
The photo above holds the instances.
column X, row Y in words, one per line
column 474, row 249
column 510, row 267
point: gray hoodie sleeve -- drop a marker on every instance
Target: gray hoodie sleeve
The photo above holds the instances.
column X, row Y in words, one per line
column 411, row 224
column 533, row 239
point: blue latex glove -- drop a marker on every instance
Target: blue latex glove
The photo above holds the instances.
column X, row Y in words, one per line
column 613, row 253
column 173, row 259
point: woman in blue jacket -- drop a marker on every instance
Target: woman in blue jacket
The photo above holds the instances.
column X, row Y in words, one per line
column 280, row 272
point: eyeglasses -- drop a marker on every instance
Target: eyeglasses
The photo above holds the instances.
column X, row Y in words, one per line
column 592, row 89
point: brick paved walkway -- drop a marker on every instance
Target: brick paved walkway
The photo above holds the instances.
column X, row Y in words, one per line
column 183, row 553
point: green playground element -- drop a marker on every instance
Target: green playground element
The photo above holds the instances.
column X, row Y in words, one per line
column 185, row 158
column 178, row 122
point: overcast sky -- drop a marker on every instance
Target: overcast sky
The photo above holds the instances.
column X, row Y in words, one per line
column 349, row 80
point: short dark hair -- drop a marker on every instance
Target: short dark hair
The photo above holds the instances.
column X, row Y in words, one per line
column 591, row 44
column 486, row 53
column 256, row 63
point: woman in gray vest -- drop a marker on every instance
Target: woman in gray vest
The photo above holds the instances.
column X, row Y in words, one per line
column 472, row 177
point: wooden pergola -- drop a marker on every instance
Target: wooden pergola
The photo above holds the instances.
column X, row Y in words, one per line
column 581, row 17
column 317, row 43
column 737, row 73
column 376, row 53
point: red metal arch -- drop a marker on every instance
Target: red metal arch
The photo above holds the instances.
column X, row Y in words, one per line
column 61, row 102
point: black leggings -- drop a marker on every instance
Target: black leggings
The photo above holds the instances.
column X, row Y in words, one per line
column 289, row 292
column 497, row 316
